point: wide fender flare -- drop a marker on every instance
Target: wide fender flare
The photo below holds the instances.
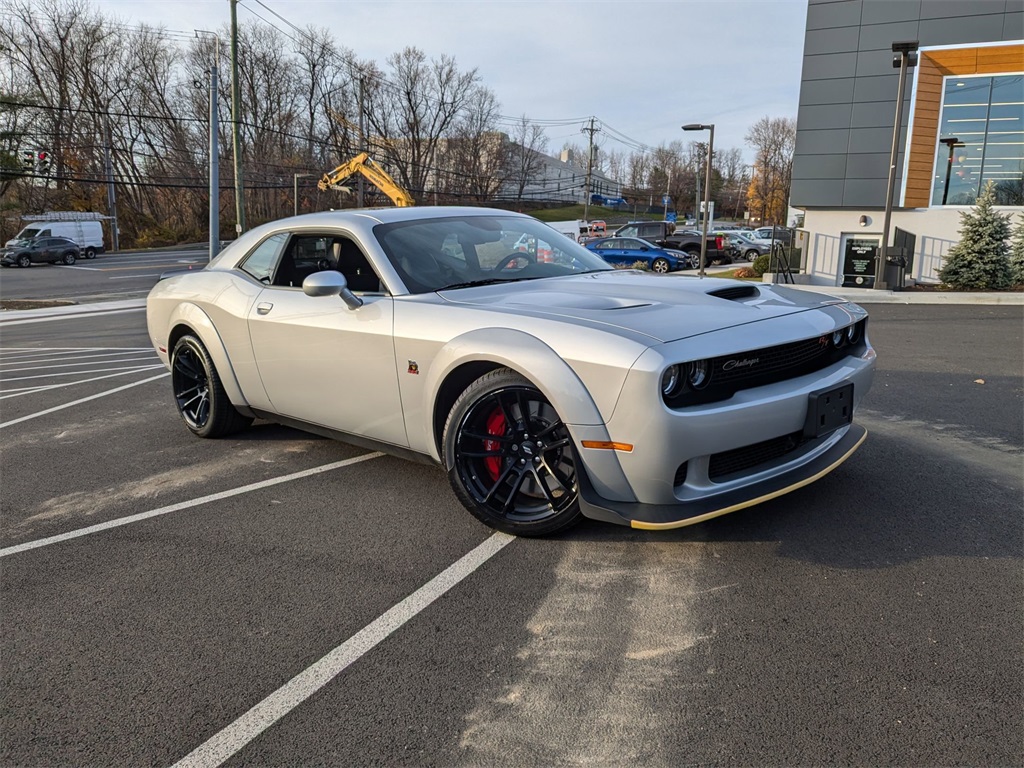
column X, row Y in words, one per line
column 202, row 326
column 525, row 354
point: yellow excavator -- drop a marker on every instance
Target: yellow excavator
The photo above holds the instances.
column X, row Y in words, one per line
column 364, row 164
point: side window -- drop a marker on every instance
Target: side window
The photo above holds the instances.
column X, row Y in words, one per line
column 630, row 231
column 45, row 233
column 261, row 262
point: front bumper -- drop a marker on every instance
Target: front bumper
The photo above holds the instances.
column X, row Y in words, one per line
column 682, row 513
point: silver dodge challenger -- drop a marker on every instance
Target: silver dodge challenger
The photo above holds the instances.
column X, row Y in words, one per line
column 548, row 385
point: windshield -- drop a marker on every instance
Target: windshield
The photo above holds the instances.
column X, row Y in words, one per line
column 455, row 252
column 27, row 233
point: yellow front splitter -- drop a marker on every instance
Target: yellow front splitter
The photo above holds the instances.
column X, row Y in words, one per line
column 667, row 516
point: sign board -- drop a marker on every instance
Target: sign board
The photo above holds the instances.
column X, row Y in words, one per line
column 665, row 199
column 670, row 216
column 711, row 205
column 859, row 258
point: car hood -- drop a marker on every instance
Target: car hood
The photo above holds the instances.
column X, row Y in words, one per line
column 662, row 307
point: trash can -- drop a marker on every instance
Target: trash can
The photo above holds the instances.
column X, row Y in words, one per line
column 895, row 269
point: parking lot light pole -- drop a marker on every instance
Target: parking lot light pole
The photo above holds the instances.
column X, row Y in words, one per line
column 952, row 143
column 295, row 196
column 906, row 57
column 707, row 188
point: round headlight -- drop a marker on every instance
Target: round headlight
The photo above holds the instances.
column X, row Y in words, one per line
column 698, row 373
column 838, row 338
column 853, row 332
column 670, row 380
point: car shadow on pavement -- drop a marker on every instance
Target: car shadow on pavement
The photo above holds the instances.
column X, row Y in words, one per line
column 891, row 503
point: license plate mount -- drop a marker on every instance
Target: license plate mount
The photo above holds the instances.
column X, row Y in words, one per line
column 828, row 410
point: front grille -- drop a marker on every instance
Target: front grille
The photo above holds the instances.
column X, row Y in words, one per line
column 740, row 459
column 758, row 367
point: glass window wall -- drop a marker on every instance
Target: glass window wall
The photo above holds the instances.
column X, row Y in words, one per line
column 985, row 115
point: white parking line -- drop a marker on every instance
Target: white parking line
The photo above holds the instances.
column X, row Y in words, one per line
column 296, row 691
column 133, row 357
column 70, row 373
column 50, row 318
column 12, row 422
column 19, row 391
column 122, row 521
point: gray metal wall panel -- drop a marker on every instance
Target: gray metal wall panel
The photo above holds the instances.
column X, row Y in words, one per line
column 842, row 14
column 827, row 91
column 943, row 9
column 868, row 166
column 819, row 166
column 830, row 67
column 1015, row 6
column 879, row 87
column 870, row 139
column 1013, row 26
column 826, row 193
column 818, row 116
column 875, row 114
column 962, row 31
column 821, row 142
column 836, row 40
column 885, row 11
column 865, row 193
column 880, row 37
column 875, row 63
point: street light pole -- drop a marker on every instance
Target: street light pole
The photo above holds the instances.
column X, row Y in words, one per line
column 952, row 143
column 907, row 58
column 707, row 188
column 295, row 195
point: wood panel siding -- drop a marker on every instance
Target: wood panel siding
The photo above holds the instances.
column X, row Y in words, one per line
column 933, row 66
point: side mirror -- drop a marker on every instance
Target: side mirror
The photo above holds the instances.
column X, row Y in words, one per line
column 330, row 282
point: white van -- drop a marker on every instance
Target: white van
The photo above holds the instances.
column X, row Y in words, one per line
column 87, row 234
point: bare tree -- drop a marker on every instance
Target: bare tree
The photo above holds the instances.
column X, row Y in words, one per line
column 529, row 144
column 416, row 108
column 774, row 139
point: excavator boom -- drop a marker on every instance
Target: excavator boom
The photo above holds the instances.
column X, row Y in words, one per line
column 374, row 173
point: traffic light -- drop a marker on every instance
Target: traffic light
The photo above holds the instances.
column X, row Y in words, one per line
column 28, row 159
column 42, row 162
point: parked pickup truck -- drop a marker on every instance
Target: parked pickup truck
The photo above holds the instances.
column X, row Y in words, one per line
column 665, row 235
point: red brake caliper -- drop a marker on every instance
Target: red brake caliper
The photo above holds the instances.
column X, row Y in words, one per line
column 495, row 426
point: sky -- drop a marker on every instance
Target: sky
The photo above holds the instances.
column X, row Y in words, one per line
column 641, row 68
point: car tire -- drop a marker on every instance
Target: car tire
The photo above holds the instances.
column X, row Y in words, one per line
column 198, row 394
column 721, row 260
column 68, row 258
column 90, row 253
column 510, row 459
column 751, row 255
column 661, row 266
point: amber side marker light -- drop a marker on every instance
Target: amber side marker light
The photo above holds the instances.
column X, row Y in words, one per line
column 608, row 445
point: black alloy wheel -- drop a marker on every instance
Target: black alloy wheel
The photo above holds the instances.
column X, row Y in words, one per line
column 510, row 457
column 68, row 258
column 200, row 397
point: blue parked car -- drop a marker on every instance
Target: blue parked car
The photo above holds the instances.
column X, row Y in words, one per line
column 627, row 251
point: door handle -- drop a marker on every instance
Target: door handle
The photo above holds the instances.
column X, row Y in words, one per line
column 264, row 308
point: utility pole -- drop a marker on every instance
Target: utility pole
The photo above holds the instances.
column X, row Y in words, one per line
column 214, row 167
column 214, row 226
column 236, row 139
column 590, row 129
column 668, row 186
column 362, row 138
column 111, row 193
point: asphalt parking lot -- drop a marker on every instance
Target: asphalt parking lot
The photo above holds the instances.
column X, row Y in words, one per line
column 281, row 599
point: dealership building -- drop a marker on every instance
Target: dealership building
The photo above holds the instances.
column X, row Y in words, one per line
column 962, row 125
